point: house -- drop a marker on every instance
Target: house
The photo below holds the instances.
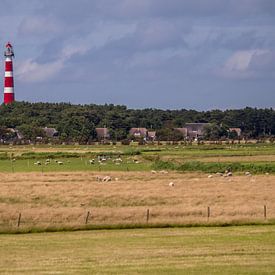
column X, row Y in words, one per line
column 102, row 133
column 183, row 131
column 138, row 132
column 237, row 130
column 195, row 130
column 50, row 132
column 151, row 135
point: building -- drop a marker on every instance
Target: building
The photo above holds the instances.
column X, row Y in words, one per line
column 195, row 130
column 183, row 131
column 237, row 130
column 50, row 132
column 138, row 132
column 151, row 135
column 102, row 134
column 8, row 82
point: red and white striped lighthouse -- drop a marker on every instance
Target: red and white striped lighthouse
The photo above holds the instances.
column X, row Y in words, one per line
column 8, row 86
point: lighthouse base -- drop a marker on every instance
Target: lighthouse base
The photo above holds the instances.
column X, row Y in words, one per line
column 8, row 98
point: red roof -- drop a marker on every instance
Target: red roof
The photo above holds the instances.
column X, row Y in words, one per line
column 8, row 45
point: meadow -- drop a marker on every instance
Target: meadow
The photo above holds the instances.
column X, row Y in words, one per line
column 203, row 250
column 58, row 187
column 259, row 158
column 168, row 209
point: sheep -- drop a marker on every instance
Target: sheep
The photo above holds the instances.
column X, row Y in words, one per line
column 247, row 173
column 104, row 179
column 92, row 161
column 37, row 163
column 163, row 172
column 60, row 163
column 99, row 178
column 171, row 184
column 153, row 171
column 107, row 178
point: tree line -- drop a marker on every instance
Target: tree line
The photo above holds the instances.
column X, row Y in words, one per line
column 77, row 123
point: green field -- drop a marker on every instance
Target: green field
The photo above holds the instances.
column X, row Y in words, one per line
column 257, row 158
column 216, row 250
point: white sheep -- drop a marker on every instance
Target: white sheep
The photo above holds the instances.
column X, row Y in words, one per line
column 107, row 178
column 91, row 161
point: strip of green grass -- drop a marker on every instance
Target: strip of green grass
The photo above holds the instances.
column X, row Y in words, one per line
column 214, row 167
column 69, row 165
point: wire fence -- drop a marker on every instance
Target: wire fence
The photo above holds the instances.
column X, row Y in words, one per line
column 132, row 217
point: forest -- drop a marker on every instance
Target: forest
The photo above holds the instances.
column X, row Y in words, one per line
column 77, row 123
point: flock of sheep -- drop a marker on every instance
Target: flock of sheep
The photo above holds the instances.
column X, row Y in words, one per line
column 48, row 161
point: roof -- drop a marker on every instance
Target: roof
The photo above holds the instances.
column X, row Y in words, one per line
column 50, row 132
column 8, row 45
column 237, row 130
column 138, row 131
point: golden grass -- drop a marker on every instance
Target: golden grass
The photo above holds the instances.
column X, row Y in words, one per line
column 65, row 198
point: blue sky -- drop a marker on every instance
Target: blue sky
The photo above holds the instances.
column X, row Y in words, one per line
column 169, row 54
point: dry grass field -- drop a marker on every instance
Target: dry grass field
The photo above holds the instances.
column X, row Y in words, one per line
column 63, row 199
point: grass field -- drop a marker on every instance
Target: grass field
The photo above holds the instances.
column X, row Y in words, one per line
column 63, row 199
column 229, row 250
column 53, row 197
column 259, row 158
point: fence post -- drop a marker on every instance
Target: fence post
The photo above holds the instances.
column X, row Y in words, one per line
column 265, row 212
column 147, row 215
column 19, row 220
column 208, row 213
column 87, row 217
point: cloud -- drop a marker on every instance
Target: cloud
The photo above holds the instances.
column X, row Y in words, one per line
column 147, row 47
column 38, row 25
column 249, row 64
column 32, row 71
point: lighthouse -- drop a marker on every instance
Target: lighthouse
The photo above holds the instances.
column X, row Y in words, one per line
column 8, row 83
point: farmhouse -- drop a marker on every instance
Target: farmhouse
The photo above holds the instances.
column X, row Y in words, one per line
column 50, row 132
column 183, row 131
column 102, row 133
column 138, row 132
column 195, row 130
column 151, row 135
column 236, row 130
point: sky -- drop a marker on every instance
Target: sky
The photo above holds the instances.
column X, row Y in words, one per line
column 168, row 54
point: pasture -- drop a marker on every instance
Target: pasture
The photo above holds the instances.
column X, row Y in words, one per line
column 259, row 158
column 162, row 190
column 216, row 250
column 62, row 200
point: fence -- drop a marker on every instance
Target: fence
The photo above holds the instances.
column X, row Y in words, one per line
column 130, row 218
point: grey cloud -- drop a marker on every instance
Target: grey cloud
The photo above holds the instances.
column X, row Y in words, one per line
column 124, row 51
